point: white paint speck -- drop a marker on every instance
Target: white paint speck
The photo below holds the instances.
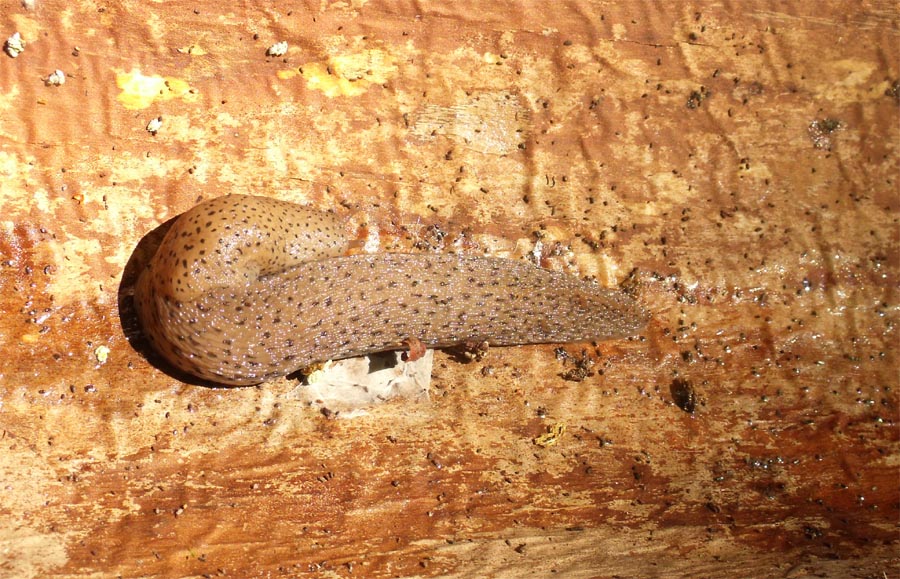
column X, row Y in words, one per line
column 56, row 78
column 277, row 49
column 154, row 125
column 14, row 45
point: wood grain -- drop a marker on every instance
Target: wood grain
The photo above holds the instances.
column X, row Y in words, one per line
column 736, row 164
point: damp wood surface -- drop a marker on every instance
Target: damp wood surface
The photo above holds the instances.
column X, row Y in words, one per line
column 732, row 164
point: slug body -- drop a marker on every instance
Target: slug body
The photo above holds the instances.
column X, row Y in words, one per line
column 244, row 289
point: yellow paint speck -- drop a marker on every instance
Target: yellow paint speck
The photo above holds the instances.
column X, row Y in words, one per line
column 350, row 74
column 193, row 50
column 102, row 354
column 552, row 436
column 139, row 91
column 286, row 74
column 29, row 338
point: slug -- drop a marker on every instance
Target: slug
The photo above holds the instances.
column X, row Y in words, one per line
column 244, row 289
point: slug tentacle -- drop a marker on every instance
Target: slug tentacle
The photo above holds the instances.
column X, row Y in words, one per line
column 278, row 295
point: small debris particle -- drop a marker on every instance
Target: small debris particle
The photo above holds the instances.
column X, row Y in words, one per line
column 316, row 372
column 697, row 97
column 154, row 125
column 812, row 533
column 432, row 239
column 893, row 91
column 277, row 49
column 416, row 349
column 14, row 45
column 102, row 354
column 552, row 436
column 820, row 131
column 474, row 350
column 583, row 369
column 435, row 462
column 56, row 78
column 683, row 395
column 192, row 49
column 537, row 252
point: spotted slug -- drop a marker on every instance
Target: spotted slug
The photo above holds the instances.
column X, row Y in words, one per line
column 244, row 289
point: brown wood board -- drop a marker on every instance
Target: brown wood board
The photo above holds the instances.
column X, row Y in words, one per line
column 734, row 164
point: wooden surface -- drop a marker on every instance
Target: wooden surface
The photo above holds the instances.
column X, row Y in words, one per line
column 734, row 163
